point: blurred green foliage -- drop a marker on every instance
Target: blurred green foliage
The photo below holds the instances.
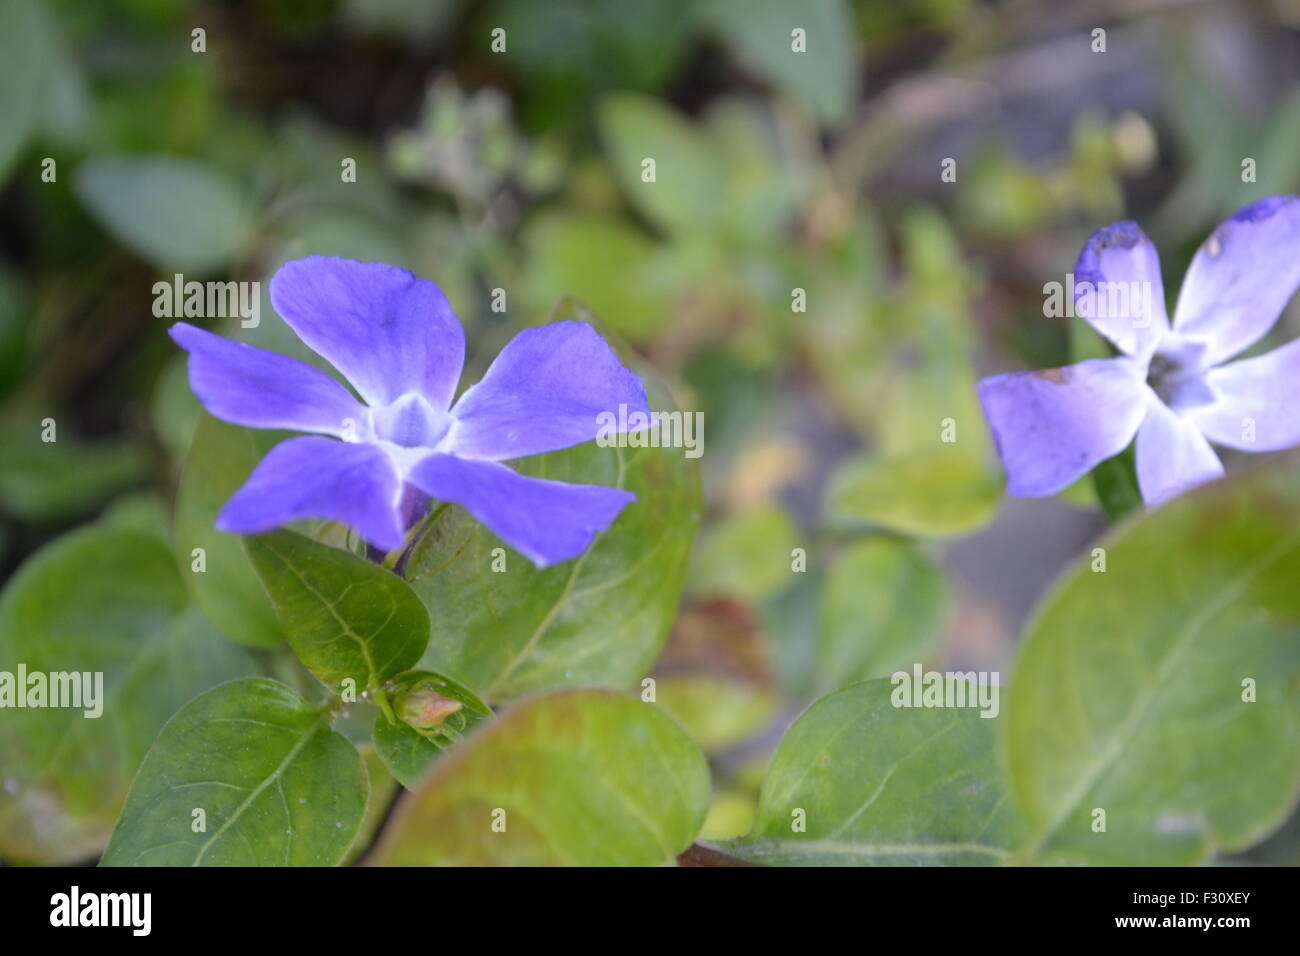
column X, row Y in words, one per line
column 798, row 270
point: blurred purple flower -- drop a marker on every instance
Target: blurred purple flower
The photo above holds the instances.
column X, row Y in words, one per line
column 1168, row 385
column 395, row 338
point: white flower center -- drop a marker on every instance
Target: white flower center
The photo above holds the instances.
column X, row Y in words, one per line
column 410, row 422
column 1177, row 374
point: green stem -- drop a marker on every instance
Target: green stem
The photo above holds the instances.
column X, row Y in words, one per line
column 378, row 695
column 399, row 566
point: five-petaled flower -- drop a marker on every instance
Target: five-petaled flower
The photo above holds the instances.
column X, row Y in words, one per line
column 1167, row 385
column 394, row 337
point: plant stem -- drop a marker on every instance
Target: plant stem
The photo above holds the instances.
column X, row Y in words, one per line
column 699, row 855
column 381, row 699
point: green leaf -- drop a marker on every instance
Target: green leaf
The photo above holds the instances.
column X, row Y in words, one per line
column 405, row 751
column 942, row 493
column 580, row 778
column 1082, row 493
column 686, row 196
column 1128, row 692
column 823, row 77
column 346, row 618
column 174, row 409
column 717, row 711
column 1281, row 848
column 27, row 47
column 929, row 382
column 1115, row 481
column 102, row 599
column 904, row 376
column 177, row 213
column 790, row 625
column 275, row 785
column 600, row 619
column 228, row 590
column 880, row 785
column 770, row 158
column 383, row 787
column 603, row 261
column 884, row 609
column 747, row 555
column 408, row 752
column 1087, row 343
column 350, row 234
column 44, row 482
column 731, row 815
column 143, row 511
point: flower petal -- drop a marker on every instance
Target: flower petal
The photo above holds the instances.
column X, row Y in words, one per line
column 545, row 521
column 313, row 477
column 1051, row 427
column 387, row 331
column 1241, row 277
column 546, row 390
column 1172, row 456
column 245, row 385
column 1257, row 405
column 1118, row 289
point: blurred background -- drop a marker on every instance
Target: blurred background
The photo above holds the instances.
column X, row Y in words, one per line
column 837, row 245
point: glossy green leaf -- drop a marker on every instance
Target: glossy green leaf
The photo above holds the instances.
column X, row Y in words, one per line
column 884, row 609
column 409, row 752
column 346, row 618
column 177, row 213
column 873, row 784
column 581, row 778
column 405, row 751
column 102, row 599
column 687, row 191
column 1128, row 688
column 228, row 590
column 941, row 493
column 599, row 619
column 276, row 786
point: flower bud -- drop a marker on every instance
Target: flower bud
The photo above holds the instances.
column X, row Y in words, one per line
column 421, row 706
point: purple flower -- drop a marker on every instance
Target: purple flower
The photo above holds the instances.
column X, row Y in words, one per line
column 1168, row 384
column 395, row 339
